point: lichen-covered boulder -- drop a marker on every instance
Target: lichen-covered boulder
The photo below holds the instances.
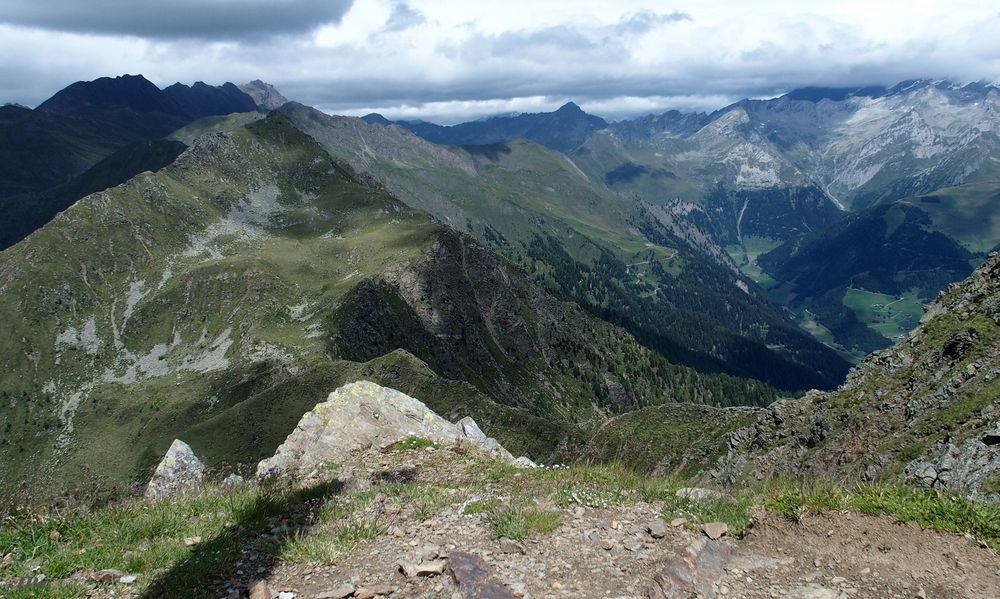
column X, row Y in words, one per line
column 356, row 416
column 180, row 471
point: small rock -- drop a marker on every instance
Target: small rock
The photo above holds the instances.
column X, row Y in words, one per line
column 233, row 480
column 607, row 544
column 657, row 529
column 260, row 591
column 128, row 579
column 431, row 568
column 378, row 589
column 678, row 522
column 286, row 595
column 344, row 590
column 364, row 593
column 429, row 552
column 54, row 535
column 191, row 541
column 512, row 546
column 107, row 575
column 634, row 545
column 715, row 530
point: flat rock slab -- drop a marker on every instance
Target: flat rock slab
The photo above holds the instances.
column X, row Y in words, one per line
column 693, row 571
column 474, row 578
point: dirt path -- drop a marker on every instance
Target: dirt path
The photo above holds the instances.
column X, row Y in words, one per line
column 610, row 552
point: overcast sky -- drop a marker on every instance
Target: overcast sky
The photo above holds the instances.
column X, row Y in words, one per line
column 451, row 60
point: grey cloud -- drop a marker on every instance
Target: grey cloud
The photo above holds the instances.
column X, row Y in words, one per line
column 176, row 19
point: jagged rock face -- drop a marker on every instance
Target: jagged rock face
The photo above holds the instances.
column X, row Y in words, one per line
column 925, row 410
column 180, row 471
column 361, row 415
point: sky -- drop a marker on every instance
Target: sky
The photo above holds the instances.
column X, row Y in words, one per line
column 454, row 60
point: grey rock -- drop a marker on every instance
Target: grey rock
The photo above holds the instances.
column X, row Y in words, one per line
column 693, row 571
column 475, row 579
column 180, row 471
column 233, row 480
column 657, row 529
column 512, row 546
column 525, row 462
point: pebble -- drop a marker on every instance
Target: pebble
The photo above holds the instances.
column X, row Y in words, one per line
column 715, row 530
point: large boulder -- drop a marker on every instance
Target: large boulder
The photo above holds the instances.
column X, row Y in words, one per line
column 361, row 415
column 180, row 471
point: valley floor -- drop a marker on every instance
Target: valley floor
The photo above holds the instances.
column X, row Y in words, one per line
column 547, row 532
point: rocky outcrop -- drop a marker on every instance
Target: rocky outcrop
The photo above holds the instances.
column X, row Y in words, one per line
column 180, row 471
column 925, row 411
column 972, row 468
column 364, row 415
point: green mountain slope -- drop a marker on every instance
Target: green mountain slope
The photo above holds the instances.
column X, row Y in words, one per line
column 217, row 298
column 605, row 250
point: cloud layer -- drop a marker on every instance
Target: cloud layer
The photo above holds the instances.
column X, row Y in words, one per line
column 450, row 60
column 176, row 19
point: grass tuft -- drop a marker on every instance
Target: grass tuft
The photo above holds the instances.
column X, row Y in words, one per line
column 413, row 442
column 520, row 522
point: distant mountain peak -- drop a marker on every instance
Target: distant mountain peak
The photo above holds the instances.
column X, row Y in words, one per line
column 375, row 118
column 264, row 94
column 570, row 108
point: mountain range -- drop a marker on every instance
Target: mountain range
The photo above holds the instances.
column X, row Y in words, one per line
column 179, row 261
column 760, row 173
